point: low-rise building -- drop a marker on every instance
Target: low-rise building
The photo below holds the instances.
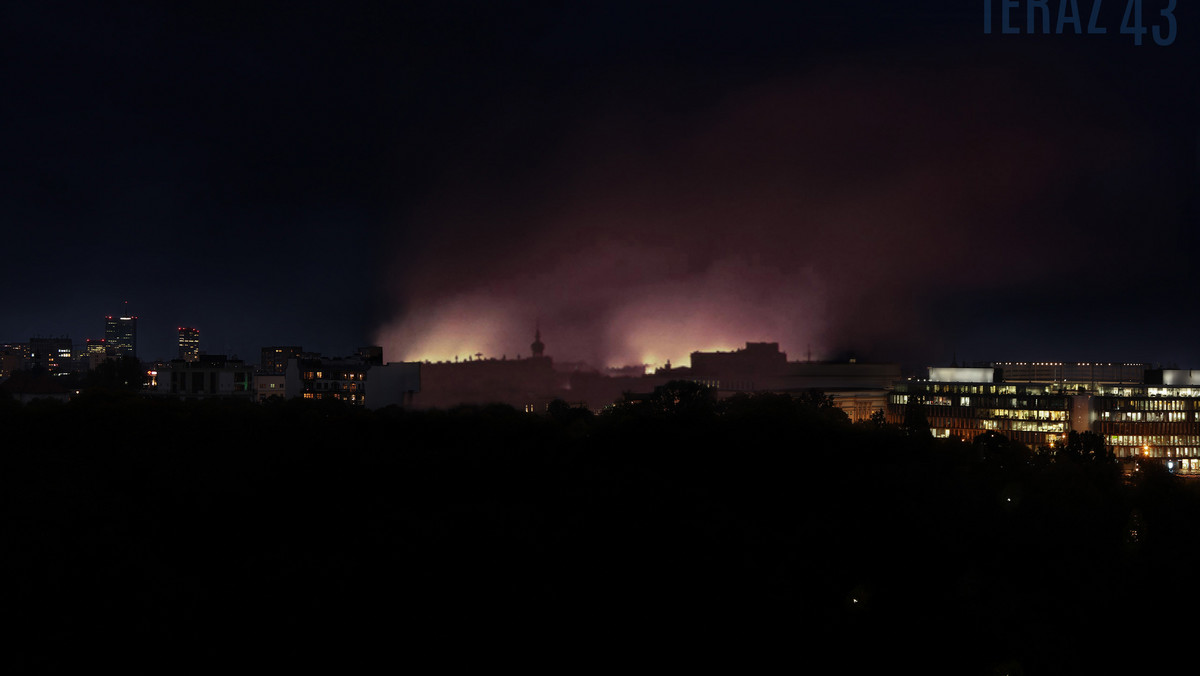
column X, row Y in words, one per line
column 859, row 389
column 267, row 385
column 26, row 386
column 55, row 356
column 1158, row 416
column 211, row 375
column 342, row 379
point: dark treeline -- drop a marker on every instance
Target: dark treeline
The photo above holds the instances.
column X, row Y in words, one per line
column 676, row 523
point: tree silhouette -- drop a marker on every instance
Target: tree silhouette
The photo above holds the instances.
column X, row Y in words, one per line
column 124, row 373
column 995, row 448
column 915, row 422
column 564, row 413
column 1086, row 447
column 820, row 404
column 683, row 397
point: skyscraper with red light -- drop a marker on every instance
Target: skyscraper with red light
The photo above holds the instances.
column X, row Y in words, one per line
column 189, row 343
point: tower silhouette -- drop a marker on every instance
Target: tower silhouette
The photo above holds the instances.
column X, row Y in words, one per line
column 537, row 346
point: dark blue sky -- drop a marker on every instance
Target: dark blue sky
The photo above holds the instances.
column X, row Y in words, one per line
column 872, row 177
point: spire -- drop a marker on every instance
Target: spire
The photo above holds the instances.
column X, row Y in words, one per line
column 538, row 347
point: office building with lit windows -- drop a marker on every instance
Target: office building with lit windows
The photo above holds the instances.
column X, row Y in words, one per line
column 1155, row 414
column 189, row 343
column 120, row 334
column 343, row 379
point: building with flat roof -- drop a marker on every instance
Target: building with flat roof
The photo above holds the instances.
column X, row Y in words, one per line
column 267, row 385
column 371, row 354
column 120, row 334
column 95, row 352
column 189, row 343
column 55, row 355
column 275, row 357
column 341, row 379
column 1074, row 372
column 210, row 376
column 859, row 389
column 26, row 386
column 1156, row 415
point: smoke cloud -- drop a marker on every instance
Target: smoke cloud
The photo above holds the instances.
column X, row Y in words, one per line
column 836, row 212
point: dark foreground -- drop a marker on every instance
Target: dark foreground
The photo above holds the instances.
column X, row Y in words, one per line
column 165, row 535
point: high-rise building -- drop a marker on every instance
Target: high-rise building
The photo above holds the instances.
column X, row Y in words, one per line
column 189, row 343
column 120, row 335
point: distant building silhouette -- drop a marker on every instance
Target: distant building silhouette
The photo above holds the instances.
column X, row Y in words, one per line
column 526, row 384
column 25, row 386
column 537, row 347
column 275, row 357
column 13, row 357
column 531, row 384
column 859, row 389
column 370, row 354
column 758, row 366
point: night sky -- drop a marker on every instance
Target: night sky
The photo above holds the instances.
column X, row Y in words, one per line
column 877, row 179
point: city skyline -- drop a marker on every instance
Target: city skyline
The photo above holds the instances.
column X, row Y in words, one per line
column 864, row 329
column 847, row 178
column 273, row 358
